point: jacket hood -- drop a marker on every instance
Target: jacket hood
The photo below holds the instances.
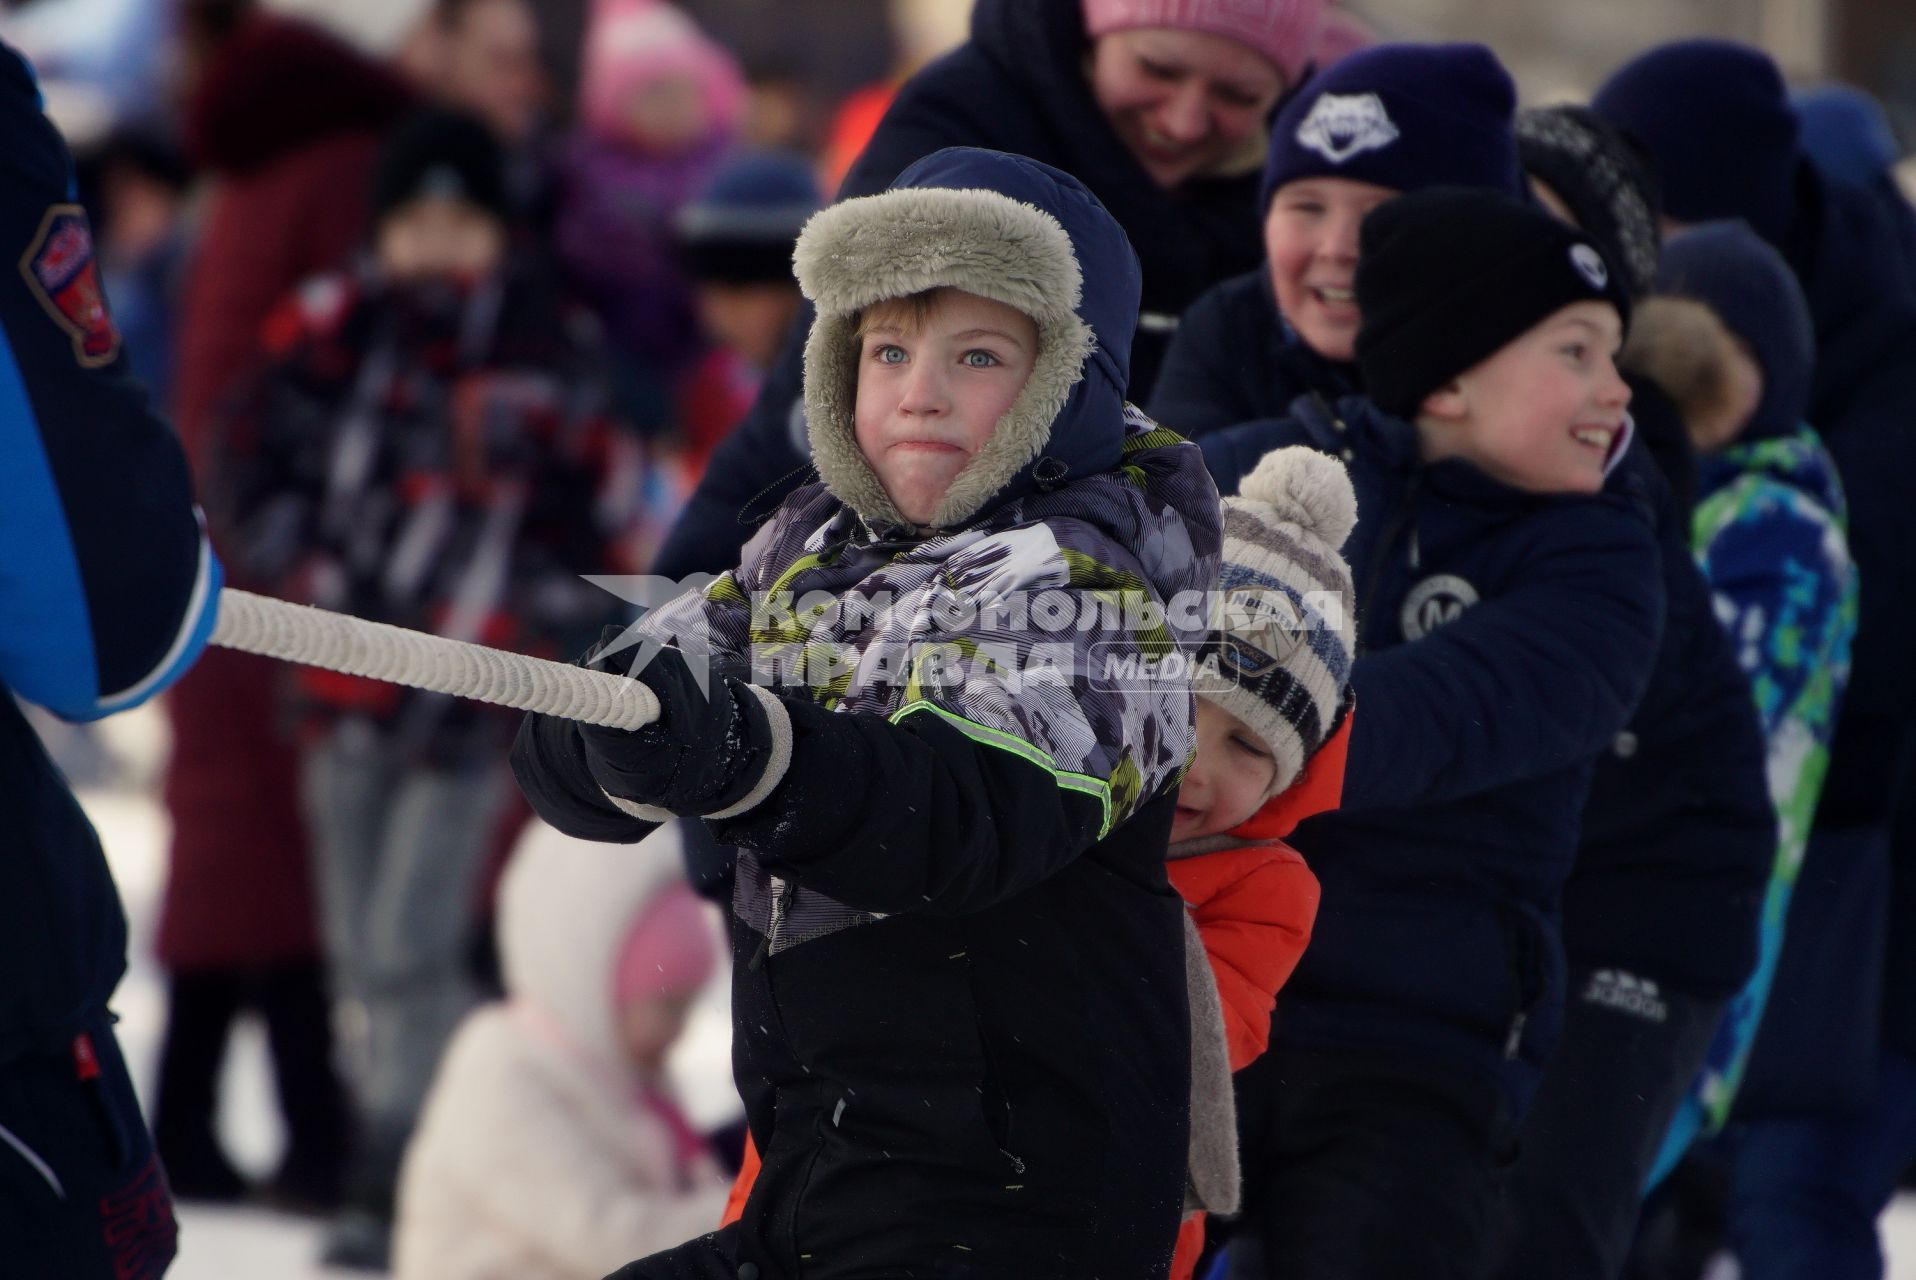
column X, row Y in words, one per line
column 277, row 85
column 1797, row 459
column 1754, row 293
column 565, row 907
column 1005, row 228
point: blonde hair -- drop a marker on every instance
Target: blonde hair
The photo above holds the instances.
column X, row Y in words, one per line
column 909, row 312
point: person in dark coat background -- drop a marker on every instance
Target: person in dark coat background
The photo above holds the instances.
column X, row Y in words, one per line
column 1660, row 912
column 287, row 119
column 1834, row 1066
column 110, row 594
column 1159, row 107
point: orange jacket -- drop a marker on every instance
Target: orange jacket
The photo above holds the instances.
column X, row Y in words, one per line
column 1254, row 906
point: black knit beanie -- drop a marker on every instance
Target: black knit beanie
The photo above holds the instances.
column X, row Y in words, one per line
column 1448, row 275
column 435, row 152
column 1603, row 179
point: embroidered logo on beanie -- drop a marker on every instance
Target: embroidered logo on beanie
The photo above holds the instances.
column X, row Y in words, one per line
column 1590, row 265
column 1262, row 630
column 1342, row 125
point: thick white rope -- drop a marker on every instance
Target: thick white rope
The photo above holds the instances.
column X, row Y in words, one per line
column 338, row 642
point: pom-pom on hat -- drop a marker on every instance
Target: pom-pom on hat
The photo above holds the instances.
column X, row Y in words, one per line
column 1447, row 276
column 1285, row 625
column 1716, row 119
column 1402, row 116
column 1285, row 31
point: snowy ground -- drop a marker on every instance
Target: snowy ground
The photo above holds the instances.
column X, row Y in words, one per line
column 221, row 1244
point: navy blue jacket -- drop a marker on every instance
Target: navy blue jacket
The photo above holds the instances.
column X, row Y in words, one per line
column 1679, row 831
column 1848, row 257
column 1018, row 85
column 1236, row 359
column 1679, row 835
column 1504, row 639
column 110, row 588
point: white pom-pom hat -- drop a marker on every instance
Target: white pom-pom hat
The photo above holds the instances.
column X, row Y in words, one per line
column 1285, row 628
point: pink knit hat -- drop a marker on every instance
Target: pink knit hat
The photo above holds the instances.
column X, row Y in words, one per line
column 669, row 950
column 632, row 42
column 1343, row 33
column 1285, row 31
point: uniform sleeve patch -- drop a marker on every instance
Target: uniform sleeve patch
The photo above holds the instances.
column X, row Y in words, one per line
column 60, row 269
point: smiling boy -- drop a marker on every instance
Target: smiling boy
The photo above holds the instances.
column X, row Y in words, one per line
column 1508, row 615
column 1381, row 122
column 959, row 999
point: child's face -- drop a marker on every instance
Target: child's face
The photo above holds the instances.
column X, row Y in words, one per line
column 1310, row 241
column 1544, row 412
column 436, row 238
column 931, row 394
column 650, row 1025
column 750, row 319
column 1228, row 777
column 1182, row 102
column 487, row 62
column 667, row 113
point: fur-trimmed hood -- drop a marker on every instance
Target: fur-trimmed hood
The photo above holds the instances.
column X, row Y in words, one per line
column 1005, row 228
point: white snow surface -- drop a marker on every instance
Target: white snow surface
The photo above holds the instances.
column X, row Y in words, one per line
column 224, row 1244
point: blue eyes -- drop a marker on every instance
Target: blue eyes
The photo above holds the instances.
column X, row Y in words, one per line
column 973, row 359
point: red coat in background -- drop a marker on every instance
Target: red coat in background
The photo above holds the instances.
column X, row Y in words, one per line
column 288, row 121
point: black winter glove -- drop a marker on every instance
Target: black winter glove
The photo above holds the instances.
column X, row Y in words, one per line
column 703, row 756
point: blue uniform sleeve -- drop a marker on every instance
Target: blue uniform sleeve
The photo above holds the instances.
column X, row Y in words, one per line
column 108, row 589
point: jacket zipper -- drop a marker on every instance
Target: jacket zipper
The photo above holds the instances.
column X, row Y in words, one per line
column 1406, row 517
column 782, row 894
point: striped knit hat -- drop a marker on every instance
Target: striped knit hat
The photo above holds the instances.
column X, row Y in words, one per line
column 1285, row 623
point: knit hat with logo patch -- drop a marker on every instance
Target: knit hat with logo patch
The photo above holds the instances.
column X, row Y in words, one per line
column 1285, row 627
column 1402, row 116
column 1446, row 277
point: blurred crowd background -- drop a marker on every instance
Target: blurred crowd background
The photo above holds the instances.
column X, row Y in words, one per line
column 267, row 180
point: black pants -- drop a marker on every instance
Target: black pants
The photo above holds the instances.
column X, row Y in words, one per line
column 1362, row 1166
column 291, row 999
column 81, row 1194
column 1629, row 1053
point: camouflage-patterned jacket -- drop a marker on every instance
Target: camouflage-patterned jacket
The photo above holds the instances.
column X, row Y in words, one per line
column 960, row 966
